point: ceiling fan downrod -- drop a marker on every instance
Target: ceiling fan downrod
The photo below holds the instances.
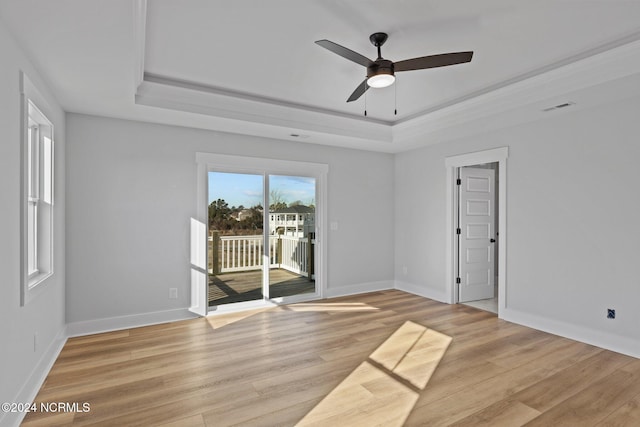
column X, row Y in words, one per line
column 378, row 39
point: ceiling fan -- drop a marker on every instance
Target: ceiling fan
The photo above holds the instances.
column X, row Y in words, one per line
column 381, row 72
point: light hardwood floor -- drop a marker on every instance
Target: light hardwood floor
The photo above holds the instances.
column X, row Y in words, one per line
column 384, row 358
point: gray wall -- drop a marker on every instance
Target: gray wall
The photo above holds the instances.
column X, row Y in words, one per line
column 572, row 231
column 131, row 193
column 44, row 316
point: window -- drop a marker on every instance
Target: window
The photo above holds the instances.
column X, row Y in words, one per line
column 37, row 190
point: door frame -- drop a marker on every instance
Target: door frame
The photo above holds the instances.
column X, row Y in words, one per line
column 207, row 162
column 452, row 163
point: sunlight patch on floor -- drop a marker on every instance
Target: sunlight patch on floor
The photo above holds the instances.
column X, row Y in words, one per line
column 412, row 352
column 384, row 389
column 227, row 318
column 218, row 321
column 355, row 306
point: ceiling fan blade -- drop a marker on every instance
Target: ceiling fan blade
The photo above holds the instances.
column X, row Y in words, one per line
column 345, row 53
column 360, row 90
column 433, row 61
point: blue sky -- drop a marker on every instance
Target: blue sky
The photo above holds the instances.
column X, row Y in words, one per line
column 246, row 190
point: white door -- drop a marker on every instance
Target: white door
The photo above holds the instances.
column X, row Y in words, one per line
column 476, row 234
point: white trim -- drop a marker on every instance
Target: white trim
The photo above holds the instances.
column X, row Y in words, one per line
column 451, row 164
column 34, row 110
column 267, row 166
column 600, row 339
column 266, row 239
column 360, row 288
column 422, row 291
column 34, row 382
column 477, row 157
column 110, row 324
column 198, row 245
column 139, row 37
column 240, row 164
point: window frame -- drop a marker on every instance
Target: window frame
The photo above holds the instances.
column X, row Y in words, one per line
column 37, row 193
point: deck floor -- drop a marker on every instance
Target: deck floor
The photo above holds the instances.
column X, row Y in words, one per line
column 247, row 286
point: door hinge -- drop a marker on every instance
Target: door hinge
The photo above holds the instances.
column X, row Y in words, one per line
column 458, row 231
column 458, row 181
column 458, row 280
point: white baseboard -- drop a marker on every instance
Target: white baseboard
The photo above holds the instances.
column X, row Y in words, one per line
column 109, row 324
column 32, row 385
column 360, row 288
column 600, row 339
column 422, row 291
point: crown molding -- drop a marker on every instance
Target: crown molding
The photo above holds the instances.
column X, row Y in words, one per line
column 139, row 39
column 223, row 93
column 630, row 38
column 517, row 100
column 244, row 115
column 603, row 67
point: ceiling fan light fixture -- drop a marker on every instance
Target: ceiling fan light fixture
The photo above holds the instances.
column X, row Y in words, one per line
column 380, row 73
column 381, row 80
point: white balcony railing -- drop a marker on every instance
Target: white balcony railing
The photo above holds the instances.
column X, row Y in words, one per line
column 294, row 254
column 246, row 253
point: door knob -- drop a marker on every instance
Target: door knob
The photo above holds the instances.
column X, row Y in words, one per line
column 492, row 240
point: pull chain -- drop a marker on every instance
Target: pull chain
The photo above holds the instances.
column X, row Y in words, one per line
column 395, row 101
column 365, row 103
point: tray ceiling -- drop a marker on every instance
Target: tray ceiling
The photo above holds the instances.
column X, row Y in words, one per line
column 252, row 66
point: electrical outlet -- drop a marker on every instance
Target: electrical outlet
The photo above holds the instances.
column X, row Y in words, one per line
column 405, row 270
column 173, row 293
column 611, row 313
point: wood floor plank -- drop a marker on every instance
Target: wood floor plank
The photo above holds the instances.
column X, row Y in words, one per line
column 626, row 415
column 469, row 400
column 192, row 421
column 288, row 416
column 550, row 392
column 60, row 419
column 505, row 413
column 343, row 361
column 596, row 402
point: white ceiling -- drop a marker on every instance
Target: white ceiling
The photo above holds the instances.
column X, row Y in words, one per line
column 251, row 66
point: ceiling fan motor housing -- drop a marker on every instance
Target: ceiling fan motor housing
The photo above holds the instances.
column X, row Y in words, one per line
column 380, row 66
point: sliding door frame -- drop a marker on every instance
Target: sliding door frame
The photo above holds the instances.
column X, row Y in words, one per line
column 210, row 162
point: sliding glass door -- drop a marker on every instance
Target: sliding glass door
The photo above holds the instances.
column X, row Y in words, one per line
column 257, row 233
